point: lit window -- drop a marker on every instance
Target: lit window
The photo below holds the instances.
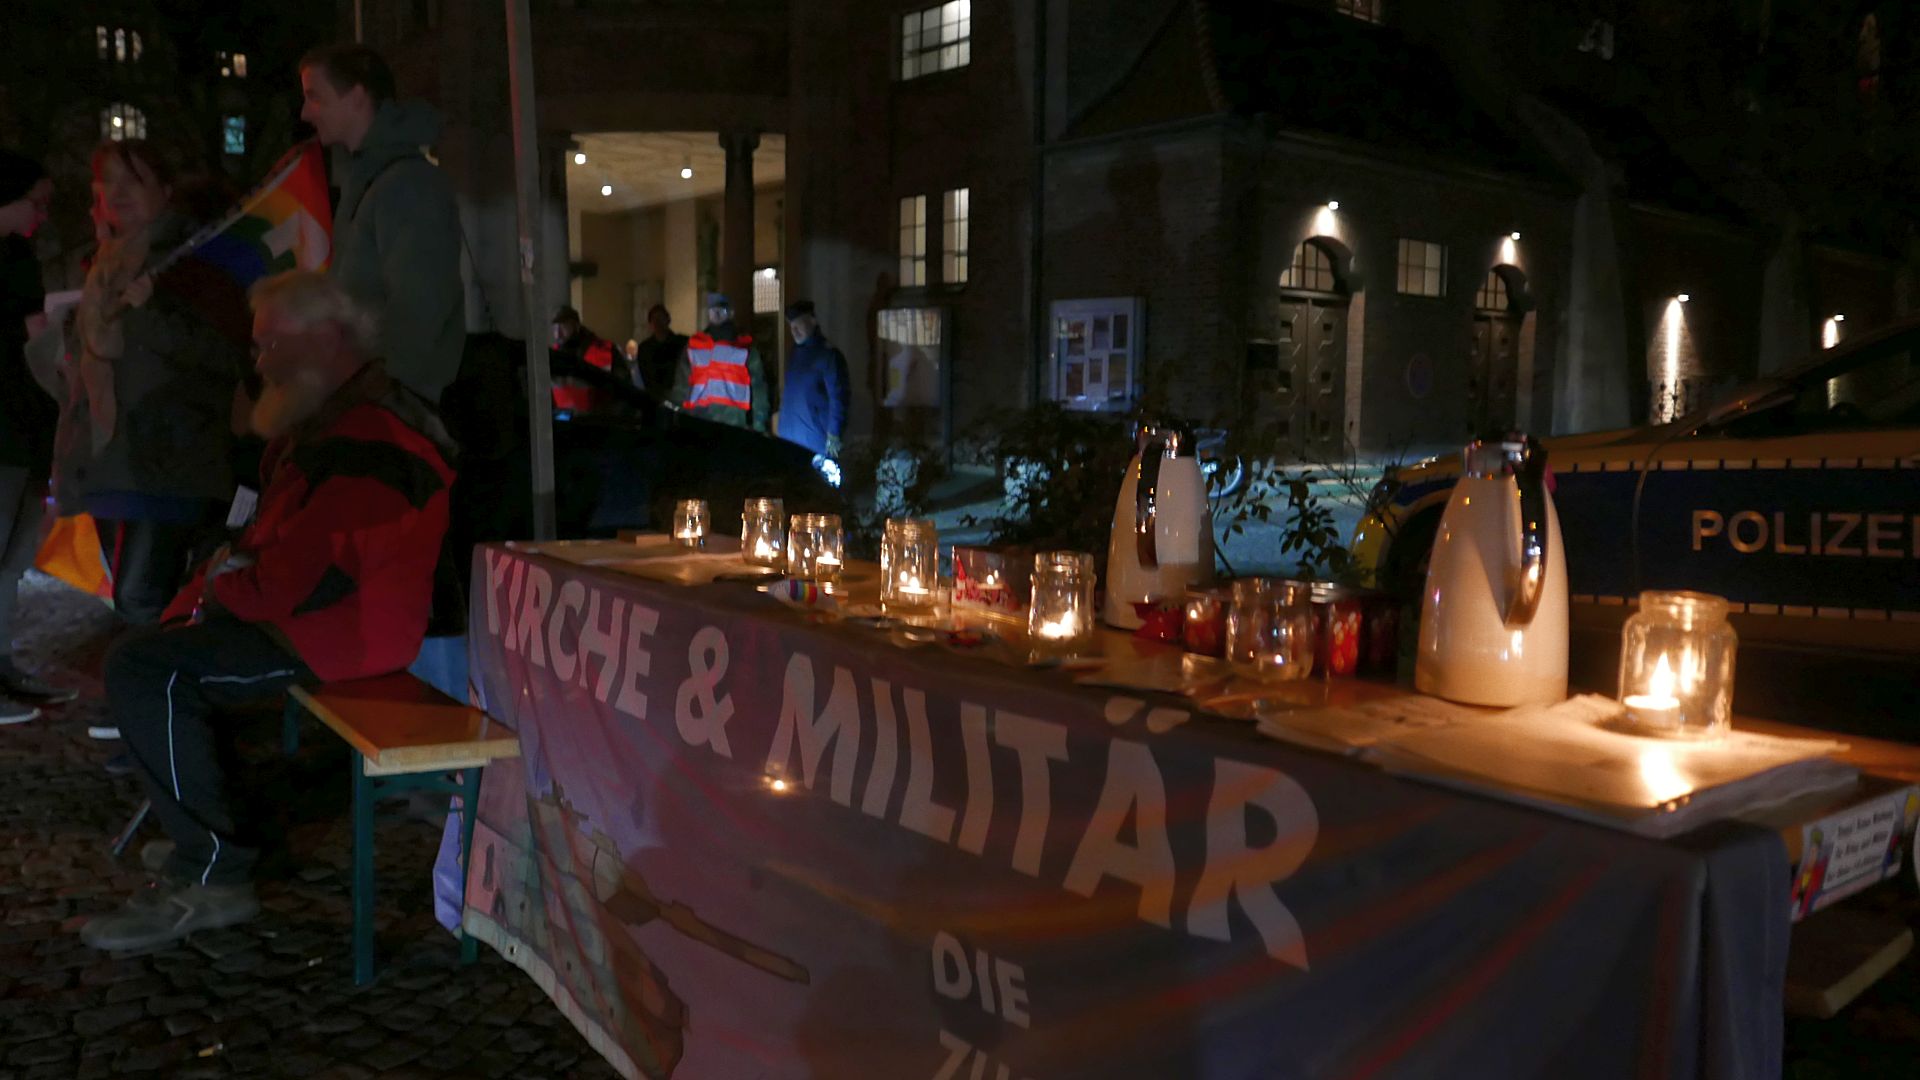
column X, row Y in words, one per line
column 1365, row 10
column 1311, row 270
column 1493, row 293
column 1423, row 268
column 101, row 36
column 938, row 38
column 235, row 135
column 911, row 348
column 135, row 35
column 120, row 45
column 239, row 65
column 120, row 121
column 226, row 64
column 913, row 240
column 954, row 237
column 766, row 290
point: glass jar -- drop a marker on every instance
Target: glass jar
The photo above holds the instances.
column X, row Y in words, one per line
column 910, row 566
column 1337, row 625
column 1060, row 615
column 690, row 523
column 816, row 547
column 1676, row 666
column 763, row 533
column 1204, row 630
column 1270, row 629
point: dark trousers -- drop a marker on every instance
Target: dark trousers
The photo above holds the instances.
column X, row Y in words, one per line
column 166, row 687
column 149, row 561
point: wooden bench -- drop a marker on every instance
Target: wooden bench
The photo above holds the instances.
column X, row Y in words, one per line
column 406, row 736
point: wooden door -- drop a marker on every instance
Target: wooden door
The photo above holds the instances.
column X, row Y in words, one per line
column 1493, row 374
column 1310, row 385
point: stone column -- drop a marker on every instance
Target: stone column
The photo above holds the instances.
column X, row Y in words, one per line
column 736, row 222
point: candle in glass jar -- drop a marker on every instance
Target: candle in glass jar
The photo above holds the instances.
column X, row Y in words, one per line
column 1658, row 707
column 690, row 522
column 1060, row 629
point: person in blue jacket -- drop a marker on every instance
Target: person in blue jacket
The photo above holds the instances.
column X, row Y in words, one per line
column 813, row 409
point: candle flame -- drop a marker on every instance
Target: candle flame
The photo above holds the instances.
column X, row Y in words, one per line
column 1661, row 684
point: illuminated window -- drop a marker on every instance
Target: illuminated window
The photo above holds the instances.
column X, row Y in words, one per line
column 234, row 135
column 232, row 65
column 120, row 121
column 104, row 40
column 1423, row 268
column 766, row 290
column 913, row 240
column 1096, row 353
column 135, row 36
column 240, row 65
column 1364, row 10
column 120, row 45
column 1493, row 293
column 912, row 348
column 1312, row 269
column 938, row 38
column 954, row 237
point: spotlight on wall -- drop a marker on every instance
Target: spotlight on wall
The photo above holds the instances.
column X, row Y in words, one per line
column 606, row 189
column 769, row 273
column 579, row 157
column 686, row 170
column 1333, row 204
column 1837, row 317
column 1514, row 235
column 1683, row 297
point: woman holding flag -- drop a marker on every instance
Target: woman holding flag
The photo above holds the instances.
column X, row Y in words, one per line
column 159, row 344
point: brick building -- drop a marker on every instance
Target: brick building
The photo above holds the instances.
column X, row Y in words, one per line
column 1373, row 223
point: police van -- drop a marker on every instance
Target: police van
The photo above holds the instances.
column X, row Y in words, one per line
column 1798, row 499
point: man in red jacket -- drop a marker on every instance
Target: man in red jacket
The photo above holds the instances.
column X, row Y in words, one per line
column 332, row 579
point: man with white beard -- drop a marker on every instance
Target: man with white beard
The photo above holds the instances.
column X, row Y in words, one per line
column 332, row 579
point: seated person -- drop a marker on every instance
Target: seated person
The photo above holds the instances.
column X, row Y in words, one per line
column 331, row 580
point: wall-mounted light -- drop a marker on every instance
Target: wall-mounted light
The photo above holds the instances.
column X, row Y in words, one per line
column 686, row 169
column 1514, row 235
column 606, row 189
column 579, row 157
column 769, row 273
column 1837, row 317
column 1683, row 297
column 1333, row 204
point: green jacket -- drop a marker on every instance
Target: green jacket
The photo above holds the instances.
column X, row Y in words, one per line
column 396, row 246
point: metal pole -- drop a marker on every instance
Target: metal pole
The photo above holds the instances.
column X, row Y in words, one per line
column 526, row 175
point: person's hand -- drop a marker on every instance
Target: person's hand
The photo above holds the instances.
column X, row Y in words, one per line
column 140, row 291
column 833, row 447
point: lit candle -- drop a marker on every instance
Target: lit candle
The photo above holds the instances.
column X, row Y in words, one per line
column 827, row 560
column 1657, row 708
column 762, row 549
column 910, row 585
column 1062, row 628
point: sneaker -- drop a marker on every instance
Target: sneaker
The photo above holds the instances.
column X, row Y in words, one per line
column 154, row 855
column 164, row 912
column 12, row 712
column 103, row 731
column 25, row 687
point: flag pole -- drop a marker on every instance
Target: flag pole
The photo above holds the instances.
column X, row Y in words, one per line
column 526, row 174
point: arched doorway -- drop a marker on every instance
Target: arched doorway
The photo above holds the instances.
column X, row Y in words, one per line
column 1493, row 369
column 1298, row 375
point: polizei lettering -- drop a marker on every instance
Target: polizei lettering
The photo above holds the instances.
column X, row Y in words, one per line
column 1832, row 534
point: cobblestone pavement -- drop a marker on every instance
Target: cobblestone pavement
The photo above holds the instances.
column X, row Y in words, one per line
column 272, row 998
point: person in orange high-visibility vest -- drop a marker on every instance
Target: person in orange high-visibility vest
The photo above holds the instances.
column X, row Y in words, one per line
column 720, row 376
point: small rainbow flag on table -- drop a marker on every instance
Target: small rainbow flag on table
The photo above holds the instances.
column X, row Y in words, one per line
column 284, row 224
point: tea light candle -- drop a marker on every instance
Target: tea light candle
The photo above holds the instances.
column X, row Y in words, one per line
column 1066, row 626
column 1061, row 614
column 909, row 565
column 762, row 532
column 1658, row 708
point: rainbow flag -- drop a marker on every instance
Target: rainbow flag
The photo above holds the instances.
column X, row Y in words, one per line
column 284, row 224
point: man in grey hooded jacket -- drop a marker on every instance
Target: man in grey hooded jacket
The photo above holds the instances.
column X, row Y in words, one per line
column 396, row 232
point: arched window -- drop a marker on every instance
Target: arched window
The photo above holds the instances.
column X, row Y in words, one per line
column 1493, row 294
column 1311, row 270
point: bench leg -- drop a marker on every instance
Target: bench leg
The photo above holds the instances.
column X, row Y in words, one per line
column 363, row 800
column 290, row 728
column 469, row 806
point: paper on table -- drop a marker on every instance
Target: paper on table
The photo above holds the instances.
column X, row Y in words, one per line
column 1354, row 728
column 1564, row 752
